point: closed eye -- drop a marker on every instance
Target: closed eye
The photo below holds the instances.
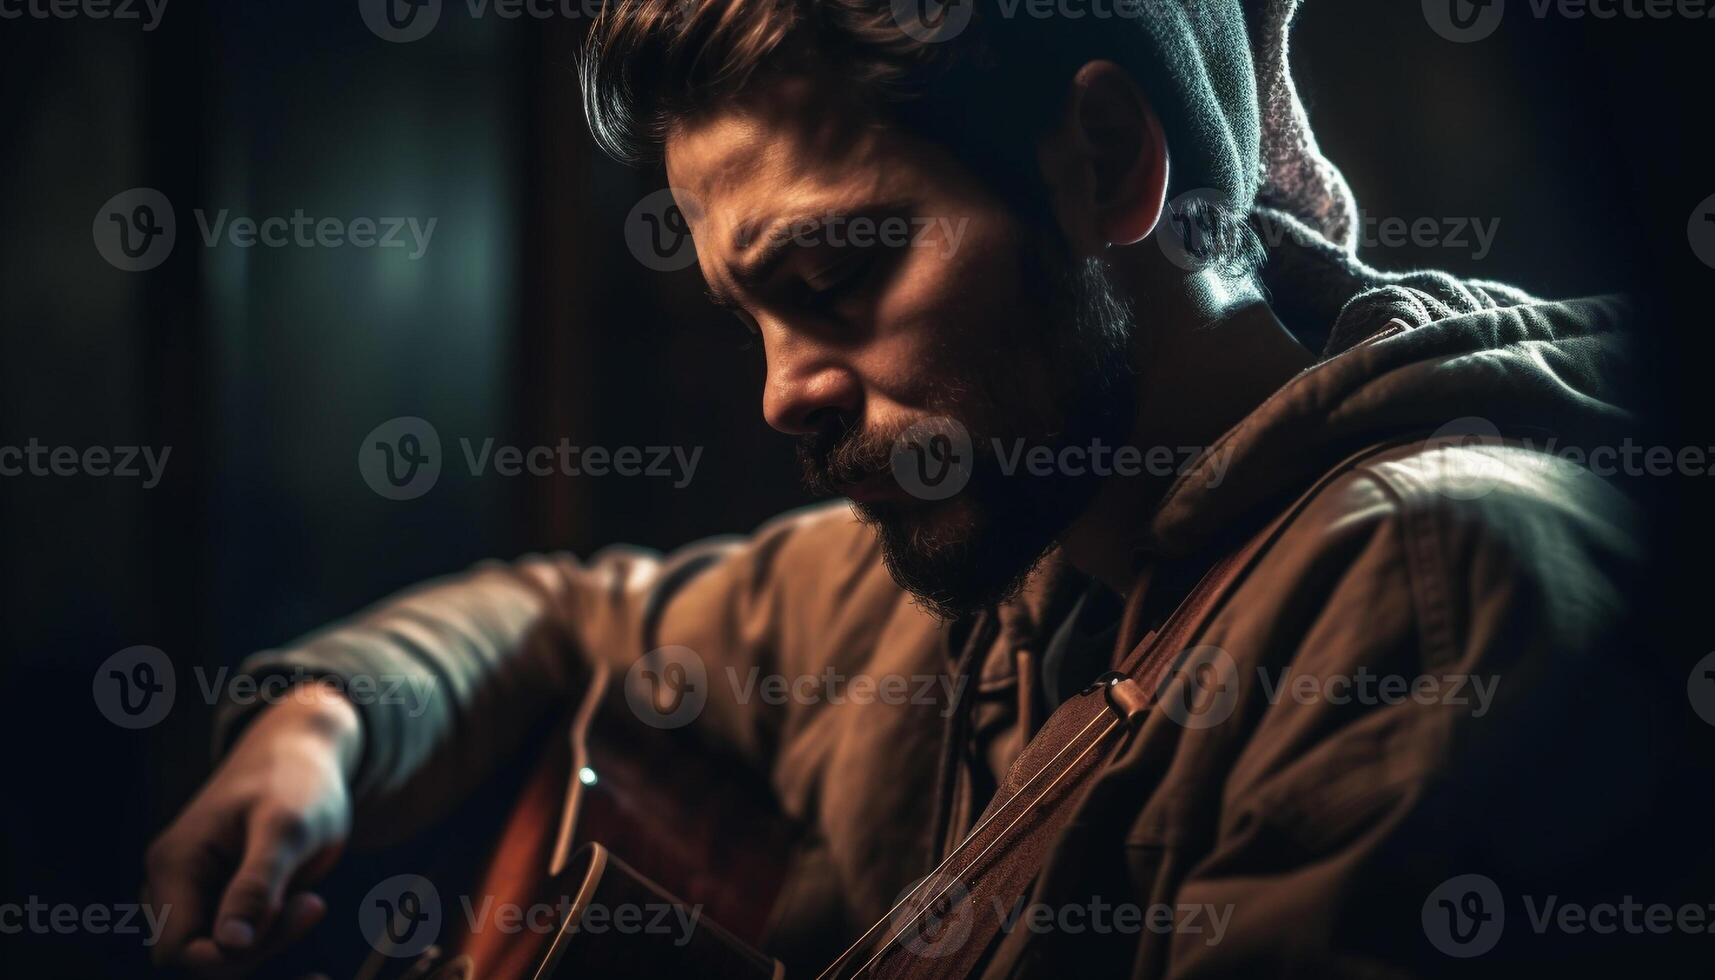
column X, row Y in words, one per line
column 752, row 332
column 832, row 284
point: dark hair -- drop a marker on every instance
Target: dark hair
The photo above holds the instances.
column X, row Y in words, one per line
column 988, row 94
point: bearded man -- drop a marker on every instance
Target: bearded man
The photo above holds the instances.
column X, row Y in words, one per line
column 1127, row 348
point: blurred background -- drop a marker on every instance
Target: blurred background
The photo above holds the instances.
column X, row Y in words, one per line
column 528, row 319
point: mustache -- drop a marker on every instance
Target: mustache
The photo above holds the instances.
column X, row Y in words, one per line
column 839, row 456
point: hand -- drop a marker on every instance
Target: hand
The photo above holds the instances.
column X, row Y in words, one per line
column 272, row 819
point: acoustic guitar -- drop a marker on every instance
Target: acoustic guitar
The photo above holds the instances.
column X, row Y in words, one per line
column 711, row 854
column 706, row 852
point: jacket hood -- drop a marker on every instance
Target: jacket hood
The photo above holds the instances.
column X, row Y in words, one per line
column 1404, row 355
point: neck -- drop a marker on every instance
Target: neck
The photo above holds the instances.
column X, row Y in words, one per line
column 1212, row 352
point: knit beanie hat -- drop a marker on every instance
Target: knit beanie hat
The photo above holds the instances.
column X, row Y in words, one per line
column 1296, row 177
column 1218, row 76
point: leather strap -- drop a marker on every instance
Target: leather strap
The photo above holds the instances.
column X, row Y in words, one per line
column 1150, row 657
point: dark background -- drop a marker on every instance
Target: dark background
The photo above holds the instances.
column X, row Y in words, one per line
column 528, row 320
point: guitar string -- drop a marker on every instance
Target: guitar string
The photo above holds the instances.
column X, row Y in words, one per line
column 1113, row 723
column 833, row 969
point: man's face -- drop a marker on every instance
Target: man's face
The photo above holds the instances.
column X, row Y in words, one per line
column 903, row 308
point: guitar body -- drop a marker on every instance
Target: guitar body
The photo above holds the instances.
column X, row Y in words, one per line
column 702, row 845
column 670, row 938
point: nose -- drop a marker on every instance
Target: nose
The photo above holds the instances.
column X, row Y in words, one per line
column 806, row 383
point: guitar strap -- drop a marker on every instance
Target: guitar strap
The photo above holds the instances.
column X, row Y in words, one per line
column 1154, row 650
column 1151, row 656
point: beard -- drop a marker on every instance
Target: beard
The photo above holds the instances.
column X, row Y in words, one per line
column 976, row 546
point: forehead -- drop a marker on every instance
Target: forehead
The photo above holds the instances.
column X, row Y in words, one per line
column 793, row 146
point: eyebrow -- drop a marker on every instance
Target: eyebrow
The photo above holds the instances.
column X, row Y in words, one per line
column 771, row 248
column 761, row 264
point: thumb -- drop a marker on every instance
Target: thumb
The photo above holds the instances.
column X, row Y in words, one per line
column 274, row 846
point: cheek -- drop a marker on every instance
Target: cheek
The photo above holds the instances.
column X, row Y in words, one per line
column 953, row 326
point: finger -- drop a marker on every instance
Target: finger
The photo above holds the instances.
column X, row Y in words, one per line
column 274, row 846
column 178, row 883
column 209, row 959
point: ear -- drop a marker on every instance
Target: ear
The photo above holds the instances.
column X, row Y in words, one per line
column 1106, row 163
